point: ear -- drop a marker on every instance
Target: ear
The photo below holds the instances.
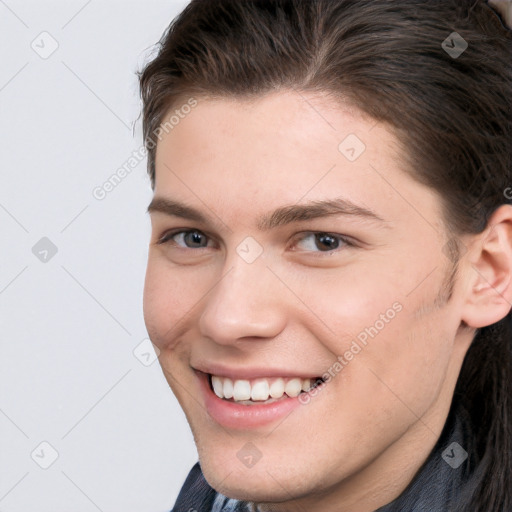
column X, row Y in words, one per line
column 489, row 271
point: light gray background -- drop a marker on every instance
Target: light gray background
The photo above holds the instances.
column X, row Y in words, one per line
column 69, row 325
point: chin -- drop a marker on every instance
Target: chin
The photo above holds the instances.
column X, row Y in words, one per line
column 266, row 489
column 264, row 482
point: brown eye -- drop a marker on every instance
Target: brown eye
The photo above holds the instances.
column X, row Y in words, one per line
column 328, row 241
column 322, row 242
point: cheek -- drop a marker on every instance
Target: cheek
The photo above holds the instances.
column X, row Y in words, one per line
column 171, row 295
column 386, row 346
column 164, row 303
column 401, row 368
column 344, row 306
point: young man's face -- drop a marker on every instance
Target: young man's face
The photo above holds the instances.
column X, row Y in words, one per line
column 254, row 295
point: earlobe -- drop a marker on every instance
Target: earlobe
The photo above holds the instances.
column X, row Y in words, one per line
column 489, row 271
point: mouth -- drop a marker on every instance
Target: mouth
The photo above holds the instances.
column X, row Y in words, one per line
column 240, row 399
column 261, row 391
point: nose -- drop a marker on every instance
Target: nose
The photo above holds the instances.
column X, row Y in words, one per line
column 247, row 302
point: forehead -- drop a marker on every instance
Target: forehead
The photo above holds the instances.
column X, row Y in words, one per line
column 241, row 157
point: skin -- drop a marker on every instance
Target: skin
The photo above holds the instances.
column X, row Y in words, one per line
column 300, row 304
column 504, row 8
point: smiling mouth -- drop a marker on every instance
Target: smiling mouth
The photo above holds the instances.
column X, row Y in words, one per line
column 262, row 390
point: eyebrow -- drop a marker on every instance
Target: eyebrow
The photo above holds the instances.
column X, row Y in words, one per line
column 282, row 216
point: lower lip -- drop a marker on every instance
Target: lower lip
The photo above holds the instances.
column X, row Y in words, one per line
column 239, row 416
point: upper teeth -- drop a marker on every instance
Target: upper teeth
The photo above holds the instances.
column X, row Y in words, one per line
column 258, row 389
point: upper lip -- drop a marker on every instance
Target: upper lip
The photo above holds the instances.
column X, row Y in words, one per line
column 253, row 372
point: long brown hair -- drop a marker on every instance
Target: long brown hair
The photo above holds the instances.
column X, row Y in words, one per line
column 451, row 113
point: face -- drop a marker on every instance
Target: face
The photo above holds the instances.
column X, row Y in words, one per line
column 289, row 244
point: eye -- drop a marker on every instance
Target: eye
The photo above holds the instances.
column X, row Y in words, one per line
column 186, row 239
column 323, row 242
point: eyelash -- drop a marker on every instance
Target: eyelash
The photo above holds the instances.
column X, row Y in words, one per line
column 347, row 242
